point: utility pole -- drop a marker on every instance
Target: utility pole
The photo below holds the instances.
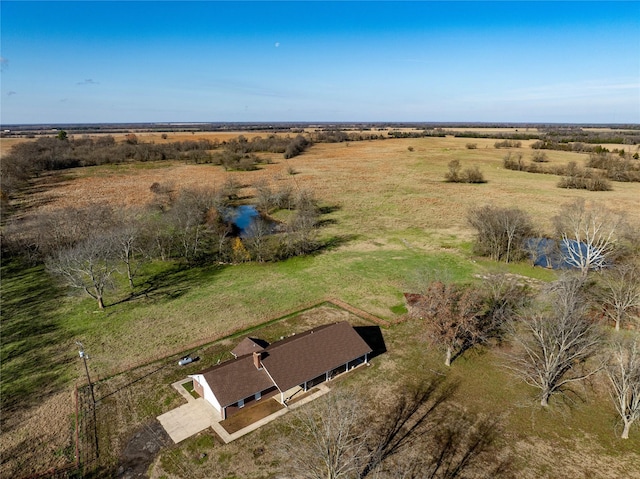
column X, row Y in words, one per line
column 84, row 358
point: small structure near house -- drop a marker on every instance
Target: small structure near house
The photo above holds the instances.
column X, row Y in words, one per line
column 259, row 372
column 248, row 346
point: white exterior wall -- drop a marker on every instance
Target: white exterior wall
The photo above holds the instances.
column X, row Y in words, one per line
column 208, row 393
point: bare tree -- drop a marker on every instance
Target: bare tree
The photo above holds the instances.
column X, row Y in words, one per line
column 621, row 292
column 87, row 266
column 329, row 439
column 504, row 297
column 588, row 233
column 453, row 175
column 127, row 239
column 47, row 232
column 623, row 371
column 188, row 216
column 454, row 317
column 502, row 232
column 257, row 239
column 412, row 433
column 557, row 345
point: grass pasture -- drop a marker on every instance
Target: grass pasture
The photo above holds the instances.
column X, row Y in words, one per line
column 390, row 218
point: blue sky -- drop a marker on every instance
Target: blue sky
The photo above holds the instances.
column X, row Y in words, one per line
column 152, row 61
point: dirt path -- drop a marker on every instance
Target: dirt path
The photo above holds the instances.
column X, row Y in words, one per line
column 142, row 449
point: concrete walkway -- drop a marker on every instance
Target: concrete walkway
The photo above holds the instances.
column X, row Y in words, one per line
column 197, row 415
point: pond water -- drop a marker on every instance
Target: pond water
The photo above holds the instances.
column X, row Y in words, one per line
column 548, row 253
column 244, row 217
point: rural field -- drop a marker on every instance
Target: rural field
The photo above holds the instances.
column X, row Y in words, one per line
column 389, row 221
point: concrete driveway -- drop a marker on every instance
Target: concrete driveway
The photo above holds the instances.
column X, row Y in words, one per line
column 189, row 419
column 197, row 415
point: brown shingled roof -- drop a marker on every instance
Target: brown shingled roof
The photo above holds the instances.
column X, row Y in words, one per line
column 305, row 356
column 290, row 362
column 248, row 346
column 236, row 379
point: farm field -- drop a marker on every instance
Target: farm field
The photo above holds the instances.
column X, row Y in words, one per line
column 391, row 218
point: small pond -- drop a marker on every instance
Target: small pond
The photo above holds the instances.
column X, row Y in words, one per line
column 548, row 253
column 245, row 217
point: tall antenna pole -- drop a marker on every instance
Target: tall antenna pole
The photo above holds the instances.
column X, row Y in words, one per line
column 84, row 357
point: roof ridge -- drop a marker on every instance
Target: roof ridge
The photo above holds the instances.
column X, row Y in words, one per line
column 298, row 336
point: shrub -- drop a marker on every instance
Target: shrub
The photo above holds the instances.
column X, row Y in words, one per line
column 539, row 157
column 453, row 175
column 514, row 162
column 507, row 144
column 471, row 146
column 469, row 175
column 473, row 175
column 296, row 147
column 502, row 232
column 582, row 179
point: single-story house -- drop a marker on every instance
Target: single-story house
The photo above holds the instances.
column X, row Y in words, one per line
column 263, row 370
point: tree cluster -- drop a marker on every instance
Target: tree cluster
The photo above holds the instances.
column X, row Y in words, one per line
column 582, row 179
column 587, row 236
column 615, row 167
column 556, row 339
column 508, row 144
column 87, row 248
column 30, row 158
column 596, row 176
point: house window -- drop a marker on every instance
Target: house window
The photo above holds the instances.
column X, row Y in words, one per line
column 241, row 403
column 258, row 396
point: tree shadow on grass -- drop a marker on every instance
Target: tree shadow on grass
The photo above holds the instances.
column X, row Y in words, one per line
column 335, row 242
column 173, row 282
column 426, row 436
column 33, row 358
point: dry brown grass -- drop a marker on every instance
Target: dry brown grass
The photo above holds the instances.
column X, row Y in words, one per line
column 39, row 439
column 379, row 186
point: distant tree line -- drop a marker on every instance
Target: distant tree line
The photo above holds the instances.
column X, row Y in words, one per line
column 30, row 158
column 559, row 138
column 595, row 176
